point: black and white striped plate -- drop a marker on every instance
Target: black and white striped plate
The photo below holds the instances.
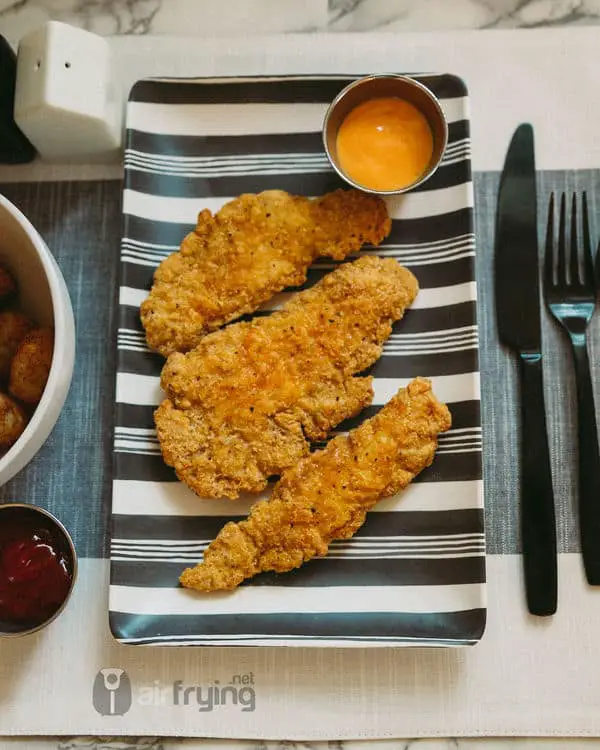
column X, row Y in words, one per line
column 415, row 573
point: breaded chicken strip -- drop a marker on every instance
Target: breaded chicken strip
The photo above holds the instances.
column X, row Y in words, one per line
column 243, row 405
column 326, row 496
column 255, row 246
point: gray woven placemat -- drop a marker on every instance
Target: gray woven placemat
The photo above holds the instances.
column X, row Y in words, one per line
column 71, row 475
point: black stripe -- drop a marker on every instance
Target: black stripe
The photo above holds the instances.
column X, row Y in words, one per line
column 142, row 467
column 424, row 320
column 435, row 274
column 227, row 145
column 466, row 624
column 444, row 273
column 386, row 523
column 165, row 144
column 303, row 90
column 303, row 182
column 404, row 231
column 431, row 228
column 420, row 320
column 321, row 573
column 156, row 232
column 388, row 366
column 465, row 414
column 438, row 363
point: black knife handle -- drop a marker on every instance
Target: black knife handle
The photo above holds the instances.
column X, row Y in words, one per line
column 589, row 466
column 538, row 524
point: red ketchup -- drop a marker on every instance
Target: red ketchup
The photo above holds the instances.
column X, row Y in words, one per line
column 35, row 578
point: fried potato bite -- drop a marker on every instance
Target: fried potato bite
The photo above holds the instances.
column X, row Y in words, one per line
column 13, row 328
column 12, row 421
column 31, row 364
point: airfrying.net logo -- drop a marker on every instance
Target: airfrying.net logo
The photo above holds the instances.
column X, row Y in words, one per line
column 113, row 695
column 112, row 692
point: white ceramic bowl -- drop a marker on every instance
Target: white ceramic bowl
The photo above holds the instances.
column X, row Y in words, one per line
column 44, row 297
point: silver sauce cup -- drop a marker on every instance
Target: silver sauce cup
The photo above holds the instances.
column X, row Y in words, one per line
column 38, row 517
column 377, row 87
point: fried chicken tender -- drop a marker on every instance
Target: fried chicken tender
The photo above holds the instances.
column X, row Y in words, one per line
column 30, row 366
column 254, row 247
column 13, row 327
column 245, row 403
column 12, row 421
column 326, row 496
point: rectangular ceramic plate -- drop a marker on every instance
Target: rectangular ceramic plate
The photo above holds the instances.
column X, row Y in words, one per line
column 415, row 572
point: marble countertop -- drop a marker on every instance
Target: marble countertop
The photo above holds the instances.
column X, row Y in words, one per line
column 190, row 17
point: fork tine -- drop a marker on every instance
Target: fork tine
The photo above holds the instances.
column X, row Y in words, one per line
column 561, row 262
column 588, row 264
column 549, row 254
column 574, row 252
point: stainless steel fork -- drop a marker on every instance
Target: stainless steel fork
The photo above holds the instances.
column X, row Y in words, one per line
column 569, row 290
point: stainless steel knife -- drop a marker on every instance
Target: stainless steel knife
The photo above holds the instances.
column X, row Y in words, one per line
column 518, row 315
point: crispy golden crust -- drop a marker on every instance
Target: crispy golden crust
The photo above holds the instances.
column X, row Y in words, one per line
column 255, row 246
column 31, row 364
column 13, row 327
column 243, row 405
column 12, row 421
column 326, row 496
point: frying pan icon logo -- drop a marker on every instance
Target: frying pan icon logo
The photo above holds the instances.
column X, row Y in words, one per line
column 111, row 695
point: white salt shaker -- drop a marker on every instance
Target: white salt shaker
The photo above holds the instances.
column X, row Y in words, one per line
column 65, row 101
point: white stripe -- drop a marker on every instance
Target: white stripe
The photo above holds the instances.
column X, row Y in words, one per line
column 226, row 160
column 434, row 244
column 149, row 245
column 146, row 390
column 448, row 388
column 244, row 119
column 431, row 347
column 136, row 446
column 248, row 163
column 443, row 332
column 458, row 145
column 132, row 497
column 198, row 174
column 135, row 431
column 282, row 599
column 131, row 297
column 426, row 298
column 447, row 259
column 185, row 210
column 412, row 256
column 191, row 560
column 359, row 542
column 445, row 296
column 152, row 261
column 446, row 349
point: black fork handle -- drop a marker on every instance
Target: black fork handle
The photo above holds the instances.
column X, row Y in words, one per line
column 589, row 464
column 538, row 524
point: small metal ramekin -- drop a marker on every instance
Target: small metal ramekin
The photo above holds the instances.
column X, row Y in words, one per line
column 48, row 521
column 376, row 87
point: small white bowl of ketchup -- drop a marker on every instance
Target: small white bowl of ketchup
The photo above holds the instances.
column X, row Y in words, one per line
column 385, row 134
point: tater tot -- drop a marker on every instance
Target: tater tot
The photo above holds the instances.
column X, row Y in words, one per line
column 7, row 284
column 13, row 328
column 30, row 365
column 12, row 421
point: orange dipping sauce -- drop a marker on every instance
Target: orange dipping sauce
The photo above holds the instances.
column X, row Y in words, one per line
column 384, row 144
